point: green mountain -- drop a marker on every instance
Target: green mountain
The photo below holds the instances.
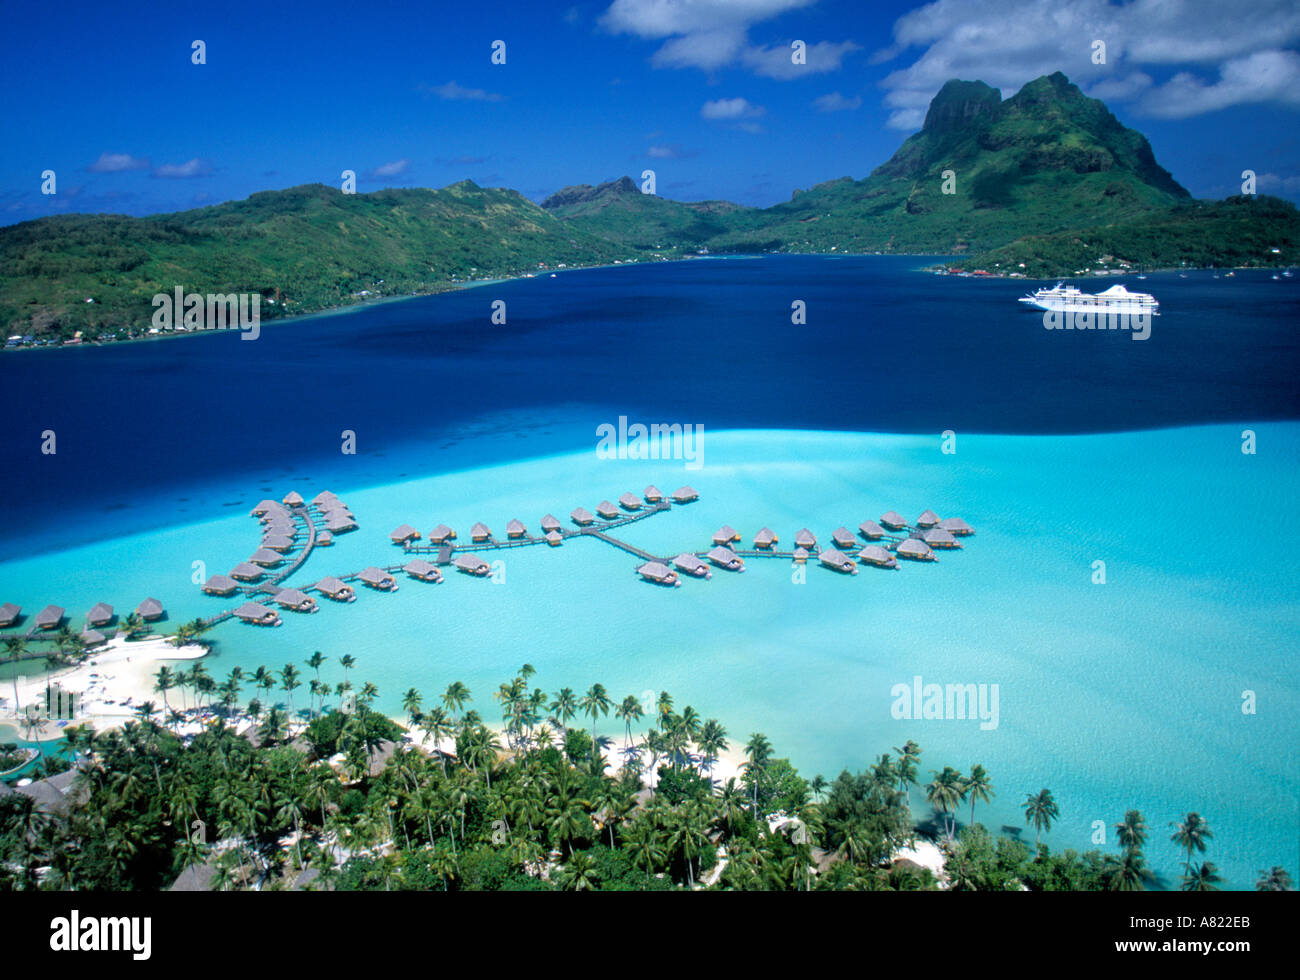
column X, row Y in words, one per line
column 1047, row 159
column 310, row 248
column 618, row 212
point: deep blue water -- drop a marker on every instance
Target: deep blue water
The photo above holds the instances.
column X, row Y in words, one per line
column 162, row 432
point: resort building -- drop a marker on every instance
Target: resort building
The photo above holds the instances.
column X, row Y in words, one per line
column 403, row 534
column 874, row 554
column 101, row 615
column 724, row 557
column 658, row 572
column 915, row 550
column 293, row 499
column 247, row 572
column 692, row 565
column 296, row 600
column 480, row 532
column 93, row 638
column 377, row 578
column 843, row 538
column 607, row 510
column 653, row 495
column 9, row 614
column 937, row 537
column 324, row 539
column 928, row 518
column 800, row 555
column 684, row 495
column 582, row 517
column 839, row 561
column 151, row 609
column 554, row 538
column 630, row 501
column 324, row 497
column 956, row 526
column 871, row 530
column 805, row 539
column 423, row 570
column 470, row 564
column 549, row 524
column 336, row 589
column 340, row 524
column 265, row 507
column 515, row 529
column 442, row 533
column 266, row 558
column 258, row 614
column 725, row 535
column 49, row 617
column 277, row 542
column 220, row 585
column 765, row 538
column 893, row 520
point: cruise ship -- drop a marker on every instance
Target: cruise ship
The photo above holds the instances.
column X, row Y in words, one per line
column 1068, row 299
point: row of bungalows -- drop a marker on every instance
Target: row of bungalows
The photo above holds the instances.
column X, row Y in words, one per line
column 658, row 573
column 335, row 588
column 724, row 557
column 423, row 570
column 725, row 535
column 9, row 614
column 692, row 565
column 295, row 600
column 470, row 564
column 377, row 578
column 878, row 555
column 258, row 614
column 837, row 560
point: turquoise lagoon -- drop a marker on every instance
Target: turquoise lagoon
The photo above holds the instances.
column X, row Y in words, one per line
column 1115, row 696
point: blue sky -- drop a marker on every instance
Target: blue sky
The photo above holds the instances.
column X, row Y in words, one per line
column 701, row 91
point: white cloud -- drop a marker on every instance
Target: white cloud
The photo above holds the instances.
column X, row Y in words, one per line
column 713, row 34
column 1009, row 42
column 452, row 92
column 191, row 168
column 731, row 109
column 116, row 163
column 394, row 168
column 834, row 102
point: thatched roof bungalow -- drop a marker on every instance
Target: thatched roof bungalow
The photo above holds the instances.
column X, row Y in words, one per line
column 871, row 530
column 377, row 578
column 724, row 557
column 658, row 572
column 915, row 550
column 340, row 524
column 470, row 564
column 937, row 537
column 607, row 510
column 150, row 610
column 928, row 518
column 100, row 615
column 581, row 516
column 843, row 538
column 93, row 638
column 805, row 539
column 220, row 585
column 766, row 538
column 247, row 572
column 874, row 554
column 549, row 523
column 441, row 534
column 9, row 613
column 692, row 565
column 258, row 614
column 295, row 599
column 266, row 558
column 554, row 538
column 956, row 526
column 515, row 528
column 277, row 542
column 725, row 535
column 293, row 499
column 684, row 495
column 480, row 532
column 336, row 589
column 423, row 570
column 404, row 533
column 629, row 501
column 653, row 494
column 838, row 561
column 893, row 520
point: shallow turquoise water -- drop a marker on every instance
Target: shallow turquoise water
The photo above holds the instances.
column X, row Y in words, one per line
column 1114, row 696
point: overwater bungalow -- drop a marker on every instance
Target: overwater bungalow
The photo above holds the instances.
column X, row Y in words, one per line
column 725, row 535
column 874, row 554
column 149, row 610
column 101, row 615
column 915, row 549
column 296, row 600
column 325, row 496
column 480, row 532
column 470, row 564
column 800, row 555
column 515, row 529
column 336, row 589
column 340, row 524
column 653, row 494
column 581, row 516
column 629, row 501
column 657, row 572
column 93, row 638
column 423, row 570
column 765, row 538
column 871, row 530
column 441, row 534
column 956, row 526
column 927, row 519
column 692, row 565
column 220, row 585
column 277, row 542
column 286, row 528
column 607, row 510
column 554, row 538
column 724, row 557
column 258, row 614
column 247, row 572
column 805, row 539
column 293, row 499
column 49, row 617
column 937, row 537
column 339, row 509
column 839, row 561
column 266, row 506
column 9, row 614
column 684, row 495
column 549, row 524
column 893, row 520
column 843, row 538
column 324, row 539
column 403, row 534
column 266, row 558
column 377, row 578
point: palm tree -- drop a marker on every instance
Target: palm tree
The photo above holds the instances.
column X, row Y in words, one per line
column 456, row 697
column 712, row 742
column 164, row 681
column 1127, row 873
column 908, row 757
column 1192, row 835
column 1202, row 878
column 595, row 702
column 1040, row 811
column 15, row 647
column 664, row 706
column 1275, row 879
column 565, row 707
column 411, row 702
column 944, row 793
column 348, row 661
column 979, row 786
column 818, row 783
column 315, row 661
column 1132, row 832
column 628, row 711
column 758, row 750
column 289, row 681
column 579, row 873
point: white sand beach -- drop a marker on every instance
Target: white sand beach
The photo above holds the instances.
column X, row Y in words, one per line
column 110, row 683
